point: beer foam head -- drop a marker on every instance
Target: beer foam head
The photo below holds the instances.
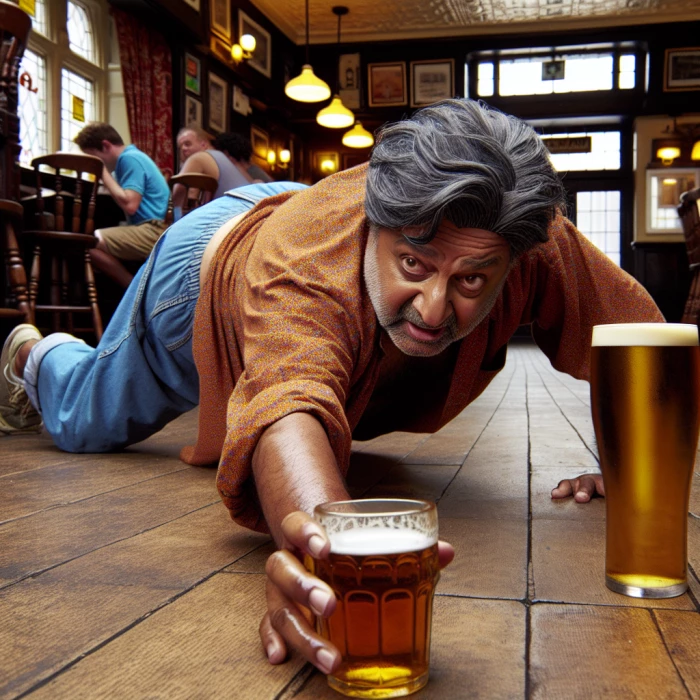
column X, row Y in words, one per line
column 379, row 540
column 379, row 525
column 644, row 334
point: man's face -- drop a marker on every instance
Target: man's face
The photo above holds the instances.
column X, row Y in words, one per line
column 429, row 296
column 188, row 143
column 105, row 154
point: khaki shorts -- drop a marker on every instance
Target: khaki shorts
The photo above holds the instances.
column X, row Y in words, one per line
column 132, row 242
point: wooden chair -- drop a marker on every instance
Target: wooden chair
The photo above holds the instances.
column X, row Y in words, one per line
column 200, row 190
column 15, row 25
column 65, row 236
column 690, row 218
column 15, row 302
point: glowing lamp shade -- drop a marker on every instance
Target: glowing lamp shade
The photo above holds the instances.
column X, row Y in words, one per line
column 668, row 153
column 285, row 156
column 358, row 137
column 336, row 115
column 328, row 165
column 695, row 153
column 271, row 157
column 248, row 43
column 237, row 53
column 306, row 87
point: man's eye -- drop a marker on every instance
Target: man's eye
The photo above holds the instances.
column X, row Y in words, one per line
column 473, row 283
column 410, row 264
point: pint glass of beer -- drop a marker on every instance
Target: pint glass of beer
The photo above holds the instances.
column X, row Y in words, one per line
column 645, row 387
column 383, row 568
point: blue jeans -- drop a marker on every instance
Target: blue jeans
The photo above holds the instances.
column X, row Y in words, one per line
column 142, row 373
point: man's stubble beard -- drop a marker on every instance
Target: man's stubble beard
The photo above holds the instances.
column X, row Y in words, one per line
column 393, row 324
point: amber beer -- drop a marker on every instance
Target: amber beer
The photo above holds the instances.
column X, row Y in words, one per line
column 383, row 568
column 645, row 384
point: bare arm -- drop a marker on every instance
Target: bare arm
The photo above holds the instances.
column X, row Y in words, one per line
column 197, row 163
column 128, row 200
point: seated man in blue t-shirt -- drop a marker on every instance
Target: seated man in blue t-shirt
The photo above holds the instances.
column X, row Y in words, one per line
column 138, row 187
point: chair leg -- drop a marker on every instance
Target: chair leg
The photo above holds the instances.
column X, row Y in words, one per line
column 92, row 296
column 17, row 276
column 55, row 295
column 65, row 278
column 34, row 280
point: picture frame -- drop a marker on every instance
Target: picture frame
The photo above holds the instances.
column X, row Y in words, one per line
column 259, row 141
column 261, row 59
column 220, row 18
column 386, row 84
column 193, row 74
column 350, row 160
column 194, row 4
column 682, row 69
column 432, row 81
column 218, row 103
column 193, row 111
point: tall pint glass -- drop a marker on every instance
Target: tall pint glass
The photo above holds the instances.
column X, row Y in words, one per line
column 645, row 385
column 383, row 568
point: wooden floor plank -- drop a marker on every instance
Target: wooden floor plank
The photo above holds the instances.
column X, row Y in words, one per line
column 32, row 544
column 50, row 620
column 584, row 652
column 477, row 651
column 681, row 632
column 203, row 645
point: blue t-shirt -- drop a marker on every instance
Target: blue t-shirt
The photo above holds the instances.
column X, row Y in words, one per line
column 136, row 171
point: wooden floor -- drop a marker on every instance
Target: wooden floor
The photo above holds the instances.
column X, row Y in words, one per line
column 122, row 576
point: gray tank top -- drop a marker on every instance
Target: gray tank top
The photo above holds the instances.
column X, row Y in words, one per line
column 229, row 175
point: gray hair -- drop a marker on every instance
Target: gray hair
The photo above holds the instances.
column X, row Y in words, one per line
column 466, row 162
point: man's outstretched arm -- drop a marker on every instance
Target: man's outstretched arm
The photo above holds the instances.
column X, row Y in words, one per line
column 582, row 488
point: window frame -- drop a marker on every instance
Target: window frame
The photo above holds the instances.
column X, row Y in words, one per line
column 54, row 48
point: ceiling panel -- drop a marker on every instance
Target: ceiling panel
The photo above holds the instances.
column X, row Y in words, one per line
column 377, row 20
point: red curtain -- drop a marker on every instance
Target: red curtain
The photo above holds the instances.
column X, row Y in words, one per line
column 147, row 76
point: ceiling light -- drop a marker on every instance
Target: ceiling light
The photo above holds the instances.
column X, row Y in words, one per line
column 695, row 153
column 306, row 87
column 358, row 137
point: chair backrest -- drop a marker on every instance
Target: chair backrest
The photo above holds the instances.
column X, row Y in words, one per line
column 79, row 220
column 690, row 218
column 15, row 25
column 200, row 190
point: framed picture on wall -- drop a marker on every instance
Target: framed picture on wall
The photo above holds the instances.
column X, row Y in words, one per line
column 220, row 18
column 682, row 69
column 193, row 74
column 259, row 142
column 218, row 103
column 387, row 84
column 262, row 56
column 432, row 81
column 193, row 111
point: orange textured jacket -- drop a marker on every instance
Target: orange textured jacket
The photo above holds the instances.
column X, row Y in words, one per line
column 284, row 324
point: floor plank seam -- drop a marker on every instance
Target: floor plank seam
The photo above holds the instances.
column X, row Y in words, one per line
column 530, row 572
column 297, row 683
column 488, row 422
column 690, row 593
column 69, row 664
column 566, row 418
column 655, row 620
column 39, row 572
column 64, row 504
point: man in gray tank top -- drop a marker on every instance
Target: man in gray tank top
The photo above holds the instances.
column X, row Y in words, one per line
column 195, row 148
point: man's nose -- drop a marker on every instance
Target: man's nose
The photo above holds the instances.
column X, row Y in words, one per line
column 432, row 303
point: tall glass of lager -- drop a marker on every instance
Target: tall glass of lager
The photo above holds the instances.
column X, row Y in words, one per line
column 645, row 388
column 383, row 567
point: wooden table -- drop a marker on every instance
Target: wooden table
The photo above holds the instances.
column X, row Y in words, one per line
column 123, row 577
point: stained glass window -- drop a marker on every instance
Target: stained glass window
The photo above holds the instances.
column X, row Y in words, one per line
column 33, row 132
column 77, row 106
column 80, row 35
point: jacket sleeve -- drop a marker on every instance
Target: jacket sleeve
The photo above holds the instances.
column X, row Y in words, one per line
column 577, row 287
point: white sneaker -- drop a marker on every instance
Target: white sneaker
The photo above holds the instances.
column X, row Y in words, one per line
column 17, row 415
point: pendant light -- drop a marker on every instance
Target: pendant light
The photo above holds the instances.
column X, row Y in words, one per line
column 358, row 137
column 306, row 87
column 336, row 115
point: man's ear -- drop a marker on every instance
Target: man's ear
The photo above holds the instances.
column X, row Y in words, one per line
column 106, row 145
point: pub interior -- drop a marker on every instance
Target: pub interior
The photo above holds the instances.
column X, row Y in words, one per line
column 122, row 575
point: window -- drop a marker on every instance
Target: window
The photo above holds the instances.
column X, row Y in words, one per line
column 604, row 153
column 598, row 218
column 77, row 106
column 33, row 131
column 80, row 31
column 65, row 59
column 555, row 70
